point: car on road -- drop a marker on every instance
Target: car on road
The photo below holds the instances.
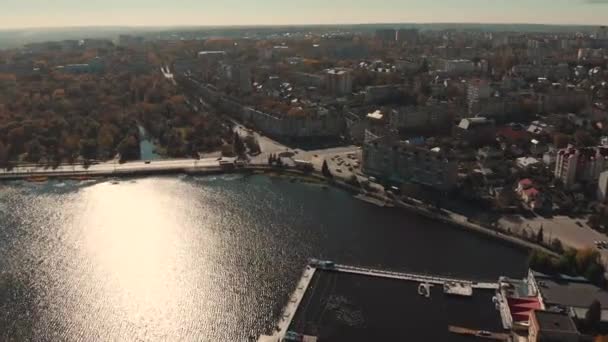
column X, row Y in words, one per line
column 147, row 162
column 484, row 333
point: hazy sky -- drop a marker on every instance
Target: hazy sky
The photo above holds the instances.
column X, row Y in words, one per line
column 43, row 13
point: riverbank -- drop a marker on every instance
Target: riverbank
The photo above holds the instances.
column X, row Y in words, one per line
column 443, row 216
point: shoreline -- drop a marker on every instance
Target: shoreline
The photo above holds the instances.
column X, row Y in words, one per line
column 312, row 176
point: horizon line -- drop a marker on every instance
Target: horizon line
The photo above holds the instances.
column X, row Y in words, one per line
column 194, row 26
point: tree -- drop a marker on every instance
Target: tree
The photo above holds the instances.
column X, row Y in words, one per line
column 594, row 221
column 88, row 149
column 128, row 148
column 3, row 155
column 557, row 246
column 583, row 138
column 594, row 316
column 506, row 198
column 239, row 147
column 540, row 236
column 325, row 170
column 34, row 151
column 541, row 262
column 253, row 144
column 561, row 140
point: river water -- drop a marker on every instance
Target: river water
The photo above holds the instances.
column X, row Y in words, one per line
column 146, row 146
column 205, row 259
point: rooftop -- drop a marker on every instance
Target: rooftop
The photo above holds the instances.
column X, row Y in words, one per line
column 571, row 292
column 554, row 322
column 377, row 115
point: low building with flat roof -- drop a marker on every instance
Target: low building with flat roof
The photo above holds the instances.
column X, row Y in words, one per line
column 547, row 326
column 574, row 294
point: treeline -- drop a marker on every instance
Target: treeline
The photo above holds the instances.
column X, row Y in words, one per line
column 180, row 130
column 585, row 262
column 58, row 118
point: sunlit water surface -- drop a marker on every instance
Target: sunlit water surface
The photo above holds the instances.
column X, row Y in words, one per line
column 205, row 259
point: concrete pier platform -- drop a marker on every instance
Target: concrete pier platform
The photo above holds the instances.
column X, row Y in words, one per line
column 350, row 303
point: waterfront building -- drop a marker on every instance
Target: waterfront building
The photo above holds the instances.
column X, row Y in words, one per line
column 575, row 294
column 580, row 164
column 399, row 161
column 339, row 81
column 547, row 326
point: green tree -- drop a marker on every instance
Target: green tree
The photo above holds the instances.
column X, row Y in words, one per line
column 325, row 170
column 594, row 221
column 593, row 317
column 583, row 138
column 239, row 147
column 540, row 236
column 540, row 261
column 88, row 149
column 557, row 246
column 128, row 148
column 3, row 155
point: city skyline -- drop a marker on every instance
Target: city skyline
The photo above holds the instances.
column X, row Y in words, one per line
column 69, row 13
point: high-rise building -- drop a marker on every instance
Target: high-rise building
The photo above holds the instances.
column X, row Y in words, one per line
column 386, row 35
column 476, row 91
column 602, row 190
column 339, row 81
column 580, row 164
